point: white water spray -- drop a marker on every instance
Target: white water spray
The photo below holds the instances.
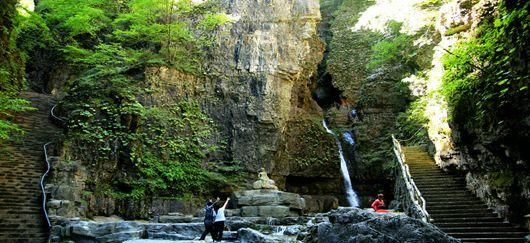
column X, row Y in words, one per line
column 349, row 138
column 353, row 200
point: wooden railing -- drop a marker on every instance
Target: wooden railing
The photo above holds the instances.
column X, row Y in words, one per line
column 418, row 202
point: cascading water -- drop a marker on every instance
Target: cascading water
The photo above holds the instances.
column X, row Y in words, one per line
column 353, row 200
column 349, row 138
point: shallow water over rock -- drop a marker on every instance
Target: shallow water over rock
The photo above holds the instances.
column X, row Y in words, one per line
column 342, row 225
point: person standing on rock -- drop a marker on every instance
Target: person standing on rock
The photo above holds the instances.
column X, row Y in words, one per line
column 209, row 219
column 220, row 218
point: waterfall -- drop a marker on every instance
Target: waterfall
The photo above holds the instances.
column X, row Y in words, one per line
column 279, row 230
column 353, row 200
column 349, row 138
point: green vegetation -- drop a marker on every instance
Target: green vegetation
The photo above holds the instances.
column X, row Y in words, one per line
column 486, row 86
column 11, row 70
column 431, row 3
column 411, row 123
column 312, row 147
column 133, row 149
column 486, row 78
column 348, row 66
column 9, row 104
column 502, row 179
column 457, row 29
column 368, row 66
column 147, row 32
column 395, row 49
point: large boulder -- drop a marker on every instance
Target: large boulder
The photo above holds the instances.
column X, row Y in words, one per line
column 266, row 211
column 269, row 203
column 269, row 198
column 90, row 231
column 357, row 225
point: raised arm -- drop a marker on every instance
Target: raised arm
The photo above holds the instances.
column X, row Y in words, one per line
column 226, row 202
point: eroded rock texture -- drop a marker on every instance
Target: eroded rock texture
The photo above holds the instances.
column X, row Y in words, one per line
column 257, row 88
column 356, row 225
column 494, row 161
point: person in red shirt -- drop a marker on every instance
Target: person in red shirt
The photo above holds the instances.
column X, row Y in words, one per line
column 379, row 203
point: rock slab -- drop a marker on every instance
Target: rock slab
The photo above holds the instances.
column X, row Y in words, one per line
column 356, row 225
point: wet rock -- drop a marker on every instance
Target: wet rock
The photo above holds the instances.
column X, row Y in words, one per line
column 182, row 231
column 356, row 225
column 84, row 231
column 265, row 211
column 254, row 236
column 178, row 219
column 315, row 203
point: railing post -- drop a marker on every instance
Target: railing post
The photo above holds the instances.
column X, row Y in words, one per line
column 414, row 192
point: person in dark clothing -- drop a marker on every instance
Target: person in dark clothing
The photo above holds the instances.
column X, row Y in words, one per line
column 209, row 219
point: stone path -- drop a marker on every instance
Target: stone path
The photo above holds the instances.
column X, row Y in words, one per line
column 453, row 208
column 21, row 166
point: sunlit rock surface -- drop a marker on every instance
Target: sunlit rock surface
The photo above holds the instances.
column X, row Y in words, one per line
column 257, row 88
column 269, row 203
column 483, row 159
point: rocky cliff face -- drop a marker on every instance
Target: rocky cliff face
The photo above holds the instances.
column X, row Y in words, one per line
column 257, row 88
column 495, row 166
column 376, row 92
column 361, row 35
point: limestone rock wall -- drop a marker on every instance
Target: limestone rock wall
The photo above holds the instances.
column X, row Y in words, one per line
column 377, row 93
column 262, row 68
column 257, row 87
column 489, row 163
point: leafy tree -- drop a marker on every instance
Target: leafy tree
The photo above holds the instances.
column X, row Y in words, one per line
column 486, row 78
column 395, row 48
column 11, row 69
column 156, row 150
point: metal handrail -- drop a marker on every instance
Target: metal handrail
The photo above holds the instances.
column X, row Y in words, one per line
column 411, row 137
column 53, row 116
column 45, row 147
column 413, row 190
column 62, row 121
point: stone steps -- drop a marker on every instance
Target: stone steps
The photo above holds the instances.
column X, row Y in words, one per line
column 483, row 218
column 446, row 215
column 452, row 207
column 489, row 234
column 496, row 239
column 472, row 224
column 460, row 210
column 21, row 166
column 479, row 228
column 449, row 198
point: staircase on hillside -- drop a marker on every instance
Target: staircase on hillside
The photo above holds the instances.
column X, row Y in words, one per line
column 452, row 207
column 21, row 166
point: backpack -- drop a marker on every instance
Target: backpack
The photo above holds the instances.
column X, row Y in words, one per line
column 208, row 215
